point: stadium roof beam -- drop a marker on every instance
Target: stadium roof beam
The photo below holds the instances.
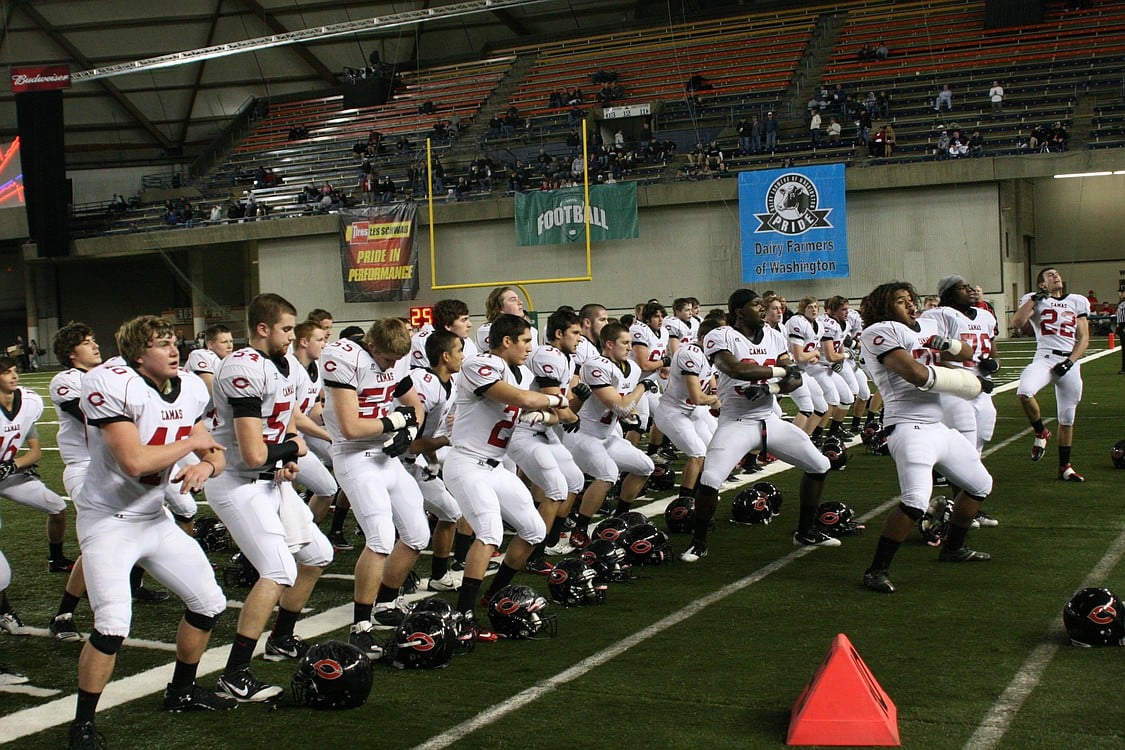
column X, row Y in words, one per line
column 299, row 49
column 199, row 76
column 365, row 26
column 127, row 104
column 510, row 21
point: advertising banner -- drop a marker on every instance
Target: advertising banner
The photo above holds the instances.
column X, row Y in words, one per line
column 378, row 253
column 555, row 217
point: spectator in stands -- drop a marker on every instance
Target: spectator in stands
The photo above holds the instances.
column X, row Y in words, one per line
column 367, row 187
column 697, row 155
column 573, row 140
column 1038, row 138
column 698, row 83
column 840, row 100
column 813, row 104
column 814, row 129
column 871, row 102
column 619, row 140
column 438, row 170
column 456, row 126
column 889, row 140
column 996, row 96
column 771, row 132
column 117, row 204
column 403, row 144
column 556, row 100
column 577, row 167
column 574, row 96
column 957, row 145
column 715, row 161
column 944, row 99
column 298, row 133
column 574, row 116
column 743, row 130
column 507, row 126
column 883, row 105
column 387, row 189
column 440, row 131
column 1058, row 137
column 833, row 131
column 863, row 127
column 755, row 134
column 605, row 96
column 461, row 189
column 216, row 214
column 236, row 211
column 976, row 144
column 427, row 108
column 882, row 52
column 866, row 53
column 878, row 143
column 941, row 149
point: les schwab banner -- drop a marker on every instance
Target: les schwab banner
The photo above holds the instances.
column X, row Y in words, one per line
column 793, row 223
column 556, row 217
column 378, row 253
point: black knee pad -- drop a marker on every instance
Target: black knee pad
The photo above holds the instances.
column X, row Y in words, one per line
column 913, row 513
column 816, row 477
column 107, row 644
column 201, row 622
column 806, row 414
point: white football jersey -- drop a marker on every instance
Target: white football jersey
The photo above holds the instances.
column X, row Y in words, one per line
column 202, row 360
column 831, row 331
column 347, row 364
column 112, row 393
column 1055, row 321
column 976, row 332
column 550, row 368
column 66, row 387
column 435, row 397
column 766, row 352
column 601, row 372
column 688, row 360
column 586, row 350
column 250, row 379
column 678, row 329
column 18, row 425
column 805, row 334
column 903, row 402
column 641, row 334
column 417, row 354
column 483, row 427
column 310, row 383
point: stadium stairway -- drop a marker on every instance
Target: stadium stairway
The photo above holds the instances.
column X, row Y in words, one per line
column 1082, row 120
column 793, row 125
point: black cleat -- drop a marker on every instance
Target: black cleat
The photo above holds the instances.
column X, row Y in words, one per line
column 963, row 554
column 195, row 698
column 145, row 595
column 284, row 647
column 85, row 736
column 877, row 580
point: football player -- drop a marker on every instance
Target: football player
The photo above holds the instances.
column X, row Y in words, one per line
column 834, row 357
column 754, row 364
column 805, row 332
column 322, row 318
column 503, row 300
column 650, row 352
column 373, row 418
column 591, row 319
column 449, row 315
column 839, row 310
column 598, row 447
column 1062, row 333
column 255, row 397
column 143, row 417
column 679, row 326
column 219, row 344
column 538, row 449
column 489, row 401
column 903, row 353
column 309, row 340
column 20, row 409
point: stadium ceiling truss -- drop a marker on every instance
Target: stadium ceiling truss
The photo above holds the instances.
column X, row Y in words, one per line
column 113, row 116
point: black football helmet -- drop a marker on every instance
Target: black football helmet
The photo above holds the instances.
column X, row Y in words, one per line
column 662, row 478
column 452, row 617
column 573, row 582
column 212, row 534
column 647, row 545
column 332, row 675
column 934, row 523
column 679, row 516
column 833, row 449
column 836, row 519
column 871, row 433
column 610, row 528
column 517, row 612
column 750, row 507
column 240, row 573
column 773, row 495
column 1095, row 617
column 1118, row 454
column 424, row 640
column 634, row 518
column 608, row 561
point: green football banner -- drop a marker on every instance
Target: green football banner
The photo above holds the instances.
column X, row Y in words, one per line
column 555, row 217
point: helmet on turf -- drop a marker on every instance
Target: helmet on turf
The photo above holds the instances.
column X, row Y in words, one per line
column 934, row 523
column 647, row 545
column 836, row 519
column 332, row 675
column 573, row 582
column 240, row 573
column 662, row 478
column 634, row 518
column 833, row 449
column 517, row 612
column 452, row 617
column 610, row 528
column 875, row 438
column 772, row 494
column 212, row 534
column 1095, row 617
column 607, row 559
column 424, row 640
column 679, row 516
column 1118, row 454
column 750, row 507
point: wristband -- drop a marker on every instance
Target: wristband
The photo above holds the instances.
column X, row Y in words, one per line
column 214, row 469
column 285, row 451
column 778, row 372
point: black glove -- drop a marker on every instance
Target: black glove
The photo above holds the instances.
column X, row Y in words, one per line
column 1062, row 368
column 666, row 361
column 651, row 386
column 837, row 367
column 755, row 392
column 631, row 423
column 32, row 471
column 572, row 427
column 582, row 391
column 792, row 380
column 988, row 365
column 400, row 442
column 400, row 418
column 6, row 469
column 848, row 341
column 986, row 385
column 1039, row 296
column 939, row 342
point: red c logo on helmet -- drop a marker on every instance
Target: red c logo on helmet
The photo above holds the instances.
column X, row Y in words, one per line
column 559, row 576
column 679, row 513
column 830, row 518
column 328, row 669
column 506, row 606
column 421, row 641
column 641, row 546
column 1103, row 614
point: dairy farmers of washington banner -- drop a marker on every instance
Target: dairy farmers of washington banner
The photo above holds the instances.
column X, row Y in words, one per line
column 555, row 217
column 793, row 223
column 377, row 253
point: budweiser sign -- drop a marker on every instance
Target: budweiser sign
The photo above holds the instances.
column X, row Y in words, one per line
column 42, row 78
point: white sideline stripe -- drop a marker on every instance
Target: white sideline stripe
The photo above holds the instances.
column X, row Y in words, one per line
column 59, row 711
column 29, row 690
column 996, row 722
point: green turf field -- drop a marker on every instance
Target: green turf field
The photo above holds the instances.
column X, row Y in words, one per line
column 711, row 655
